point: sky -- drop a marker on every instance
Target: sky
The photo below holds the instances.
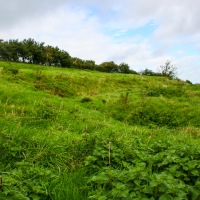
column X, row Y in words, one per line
column 142, row 33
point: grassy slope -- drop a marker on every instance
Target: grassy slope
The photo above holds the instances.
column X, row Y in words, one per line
column 51, row 117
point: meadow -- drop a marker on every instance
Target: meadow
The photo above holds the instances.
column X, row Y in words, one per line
column 80, row 134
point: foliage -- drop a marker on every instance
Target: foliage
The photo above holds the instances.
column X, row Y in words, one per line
column 159, row 170
column 187, row 81
column 168, row 70
column 108, row 67
column 165, row 91
column 148, row 72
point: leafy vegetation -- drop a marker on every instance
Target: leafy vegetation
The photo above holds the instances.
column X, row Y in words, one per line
column 139, row 170
column 75, row 134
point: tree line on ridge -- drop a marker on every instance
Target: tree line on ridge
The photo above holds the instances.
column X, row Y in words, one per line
column 30, row 51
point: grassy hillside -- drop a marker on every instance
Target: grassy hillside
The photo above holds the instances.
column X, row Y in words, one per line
column 75, row 134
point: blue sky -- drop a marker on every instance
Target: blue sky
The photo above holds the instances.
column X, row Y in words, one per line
column 143, row 33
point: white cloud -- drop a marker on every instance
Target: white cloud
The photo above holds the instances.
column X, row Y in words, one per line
column 189, row 68
column 82, row 27
column 14, row 12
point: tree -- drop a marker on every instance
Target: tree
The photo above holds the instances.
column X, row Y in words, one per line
column 77, row 63
column 13, row 50
column 89, row 64
column 148, row 72
column 124, row 68
column 48, row 51
column 65, row 59
column 4, row 52
column 168, row 70
column 108, row 67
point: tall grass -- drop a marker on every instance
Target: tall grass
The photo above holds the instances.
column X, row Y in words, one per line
column 70, row 186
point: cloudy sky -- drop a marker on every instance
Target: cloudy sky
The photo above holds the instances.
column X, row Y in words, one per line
column 142, row 33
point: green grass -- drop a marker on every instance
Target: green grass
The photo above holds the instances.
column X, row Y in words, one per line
column 79, row 134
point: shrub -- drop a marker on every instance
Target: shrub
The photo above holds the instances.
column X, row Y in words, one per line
column 187, row 81
column 86, row 99
column 167, row 92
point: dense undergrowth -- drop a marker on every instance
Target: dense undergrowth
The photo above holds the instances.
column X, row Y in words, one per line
column 71, row 134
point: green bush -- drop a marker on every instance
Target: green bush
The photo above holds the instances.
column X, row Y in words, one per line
column 167, row 92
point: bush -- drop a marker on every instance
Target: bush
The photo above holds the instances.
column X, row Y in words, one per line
column 167, row 92
column 189, row 82
column 86, row 99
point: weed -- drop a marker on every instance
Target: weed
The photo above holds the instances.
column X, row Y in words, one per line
column 145, row 171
